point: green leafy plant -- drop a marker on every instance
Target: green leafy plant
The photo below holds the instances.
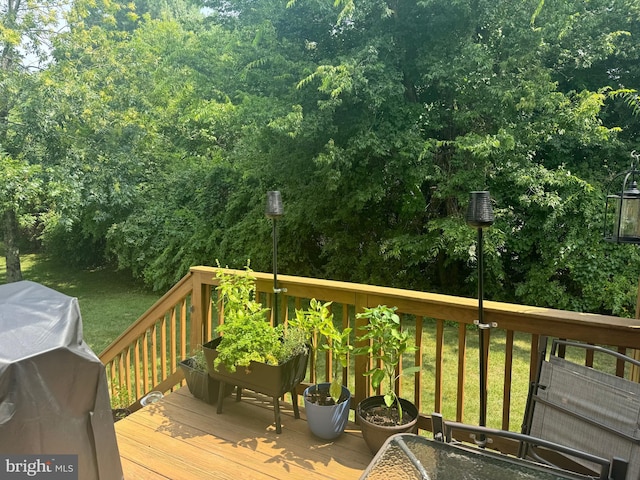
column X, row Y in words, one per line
column 386, row 345
column 340, row 347
column 198, row 360
column 317, row 322
column 121, row 399
column 246, row 332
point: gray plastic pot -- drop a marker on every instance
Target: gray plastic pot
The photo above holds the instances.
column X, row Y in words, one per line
column 327, row 421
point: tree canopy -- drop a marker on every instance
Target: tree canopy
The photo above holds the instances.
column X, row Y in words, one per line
column 158, row 127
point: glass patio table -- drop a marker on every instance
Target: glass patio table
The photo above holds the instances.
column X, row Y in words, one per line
column 409, row 456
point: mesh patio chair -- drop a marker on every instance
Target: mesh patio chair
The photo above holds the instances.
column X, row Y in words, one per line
column 613, row 468
column 584, row 408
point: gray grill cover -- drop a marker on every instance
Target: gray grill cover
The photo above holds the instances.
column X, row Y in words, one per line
column 53, row 388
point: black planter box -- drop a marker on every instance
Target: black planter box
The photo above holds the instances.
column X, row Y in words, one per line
column 200, row 384
column 271, row 380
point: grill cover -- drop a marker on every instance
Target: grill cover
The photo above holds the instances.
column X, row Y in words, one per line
column 53, row 389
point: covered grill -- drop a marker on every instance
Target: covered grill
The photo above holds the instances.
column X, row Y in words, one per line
column 53, row 390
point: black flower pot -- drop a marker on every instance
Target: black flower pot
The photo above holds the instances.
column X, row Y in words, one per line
column 200, row 384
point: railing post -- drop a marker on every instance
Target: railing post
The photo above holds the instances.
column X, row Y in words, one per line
column 199, row 311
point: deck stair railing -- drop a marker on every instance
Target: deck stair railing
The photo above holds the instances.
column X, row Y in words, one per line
column 146, row 356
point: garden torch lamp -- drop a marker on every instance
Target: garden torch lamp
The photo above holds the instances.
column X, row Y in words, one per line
column 274, row 211
column 480, row 215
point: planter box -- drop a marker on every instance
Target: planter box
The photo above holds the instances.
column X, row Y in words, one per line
column 271, row 380
column 200, row 384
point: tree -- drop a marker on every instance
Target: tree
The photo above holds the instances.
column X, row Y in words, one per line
column 28, row 29
column 374, row 119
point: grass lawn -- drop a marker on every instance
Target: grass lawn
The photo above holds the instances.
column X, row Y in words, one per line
column 109, row 301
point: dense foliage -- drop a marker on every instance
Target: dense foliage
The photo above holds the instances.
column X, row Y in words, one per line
column 158, row 127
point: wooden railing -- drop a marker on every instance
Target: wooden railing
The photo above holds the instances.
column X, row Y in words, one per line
column 145, row 357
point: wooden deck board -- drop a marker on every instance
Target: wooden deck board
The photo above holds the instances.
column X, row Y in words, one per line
column 183, row 438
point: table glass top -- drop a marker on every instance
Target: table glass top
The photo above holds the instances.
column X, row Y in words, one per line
column 442, row 461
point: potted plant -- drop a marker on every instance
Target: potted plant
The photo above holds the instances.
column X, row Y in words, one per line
column 250, row 352
column 120, row 402
column 326, row 404
column 381, row 416
column 200, row 384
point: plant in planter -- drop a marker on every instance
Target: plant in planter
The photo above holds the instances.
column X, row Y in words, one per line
column 326, row 404
column 200, row 384
column 251, row 353
column 120, row 402
column 381, row 416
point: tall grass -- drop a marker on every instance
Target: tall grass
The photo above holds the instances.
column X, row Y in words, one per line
column 109, row 301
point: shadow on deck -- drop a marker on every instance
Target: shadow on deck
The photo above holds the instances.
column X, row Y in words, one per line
column 181, row 437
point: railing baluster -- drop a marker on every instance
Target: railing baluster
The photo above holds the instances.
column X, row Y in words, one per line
column 328, row 362
column 173, row 350
column 183, row 330
column 462, row 361
column 398, row 381
column 145, row 362
column 345, row 324
column 163, row 349
column 508, row 372
column 125, row 385
column 417, row 377
column 439, row 364
column 154, row 354
column 533, row 358
column 136, row 367
column 589, row 358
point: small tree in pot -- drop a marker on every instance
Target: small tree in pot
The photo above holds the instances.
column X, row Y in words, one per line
column 327, row 404
column 386, row 343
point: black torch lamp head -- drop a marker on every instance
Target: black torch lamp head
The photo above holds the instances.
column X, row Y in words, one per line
column 479, row 213
column 274, row 208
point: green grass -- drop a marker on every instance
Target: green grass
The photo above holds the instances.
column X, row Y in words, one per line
column 109, row 301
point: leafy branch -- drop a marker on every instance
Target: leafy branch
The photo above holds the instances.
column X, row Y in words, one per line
column 386, row 345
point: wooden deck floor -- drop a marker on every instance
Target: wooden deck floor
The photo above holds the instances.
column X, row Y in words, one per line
column 181, row 437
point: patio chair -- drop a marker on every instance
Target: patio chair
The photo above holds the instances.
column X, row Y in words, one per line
column 607, row 468
column 584, row 408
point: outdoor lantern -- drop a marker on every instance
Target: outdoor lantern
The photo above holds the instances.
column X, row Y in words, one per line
column 274, row 208
column 622, row 212
column 480, row 215
column 622, row 223
column 274, row 211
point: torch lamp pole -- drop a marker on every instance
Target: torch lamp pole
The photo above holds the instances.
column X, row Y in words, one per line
column 480, row 215
column 482, row 327
column 274, row 211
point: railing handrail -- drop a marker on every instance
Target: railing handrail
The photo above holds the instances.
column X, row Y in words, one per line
column 529, row 319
